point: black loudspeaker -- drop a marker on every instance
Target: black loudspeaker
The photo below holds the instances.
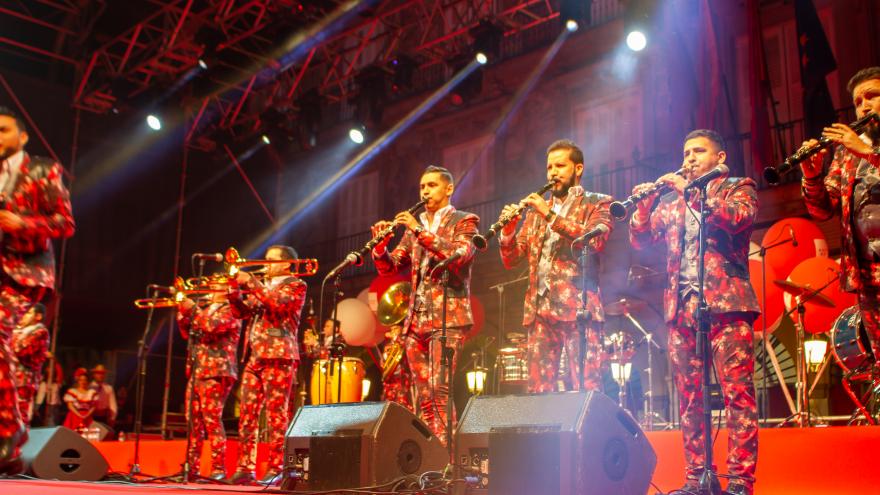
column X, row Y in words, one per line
column 572, row 443
column 340, row 446
column 60, row 453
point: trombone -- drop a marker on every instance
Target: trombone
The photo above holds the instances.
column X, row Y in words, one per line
column 176, row 294
column 298, row 267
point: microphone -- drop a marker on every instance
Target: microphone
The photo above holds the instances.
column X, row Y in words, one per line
column 352, row 258
column 208, row 257
column 704, row 179
column 595, row 232
column 793, row 238
column 439, row 267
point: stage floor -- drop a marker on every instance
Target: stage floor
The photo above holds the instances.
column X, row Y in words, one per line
column 826, row 461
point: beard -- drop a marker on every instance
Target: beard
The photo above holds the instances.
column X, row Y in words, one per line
column 563, row 191
column 873, row 133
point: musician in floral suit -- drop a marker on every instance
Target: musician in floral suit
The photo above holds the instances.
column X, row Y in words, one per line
column 554, row 295
column 215, row 331
column 852, row 189
column 732, row 204
column 440, row 233
column 34, row 210
column 274, row 306
column 30, row 345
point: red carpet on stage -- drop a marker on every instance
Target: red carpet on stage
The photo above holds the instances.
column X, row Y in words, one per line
column 812, row 461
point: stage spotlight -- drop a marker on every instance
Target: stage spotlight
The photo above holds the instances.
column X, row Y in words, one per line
column 153, row 122
column 571, row 25
column 636, row 41
column 203, row 64
column 638, row 23
column 356, row 134
column 265, row 138
column 481, row 58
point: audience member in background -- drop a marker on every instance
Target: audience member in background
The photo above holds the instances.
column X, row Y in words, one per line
column 80, row 400
column 30, row 348
column 105, row 397
column 48, row 410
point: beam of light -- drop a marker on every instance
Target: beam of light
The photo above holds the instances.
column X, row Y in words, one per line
column 265, row 139
column 499, row 127
column 571, row 25
column 154, row 122
column 636, row 41
column 111, row 166
column 283, row 225
column 481, row 58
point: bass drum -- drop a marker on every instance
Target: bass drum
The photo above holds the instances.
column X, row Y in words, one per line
column 850, row 345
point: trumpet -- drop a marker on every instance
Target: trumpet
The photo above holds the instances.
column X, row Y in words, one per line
column 773, row 175
column 298, row 267
column 621, row 209
column 481, row 242
column 387, row 231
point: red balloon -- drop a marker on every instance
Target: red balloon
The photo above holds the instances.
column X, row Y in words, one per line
column 479, row 316
column 784, row 257
column 775, row 305
column 814, row 273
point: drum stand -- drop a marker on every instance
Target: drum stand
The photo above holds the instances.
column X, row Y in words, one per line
column 802, row 415
column 650, row 415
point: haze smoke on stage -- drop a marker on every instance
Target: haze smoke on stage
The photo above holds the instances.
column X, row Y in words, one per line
column 283, row 224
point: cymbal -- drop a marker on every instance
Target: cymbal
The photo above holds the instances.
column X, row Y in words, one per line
column 643, row 275
column 624, row 305
column 809, row 293
column 394, row 303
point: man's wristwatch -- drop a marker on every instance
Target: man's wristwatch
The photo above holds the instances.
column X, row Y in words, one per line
column 549, row 216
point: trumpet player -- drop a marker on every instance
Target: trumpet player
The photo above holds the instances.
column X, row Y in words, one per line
column 212, row 369
column 553, row 298
column 852, row 189
column 441, row 233
column 273, row 305
column 732, row 203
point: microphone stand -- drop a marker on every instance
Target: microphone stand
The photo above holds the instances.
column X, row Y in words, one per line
column 709, row 484
column 762, row 251
column 135, row 469
column 583, row 318
column 446, row 359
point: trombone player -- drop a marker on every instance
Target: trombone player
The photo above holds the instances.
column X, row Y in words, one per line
column 273, row 305
column 440, row 234
column 215, row 331
column 553, row 298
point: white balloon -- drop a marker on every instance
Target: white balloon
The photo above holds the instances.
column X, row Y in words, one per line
column 357, row 324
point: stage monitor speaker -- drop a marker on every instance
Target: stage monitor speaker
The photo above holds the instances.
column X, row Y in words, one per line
column 60, row 453
column 572, row 443
column 342, row 446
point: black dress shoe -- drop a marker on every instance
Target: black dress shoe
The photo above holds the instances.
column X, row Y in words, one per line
column 243, row 478
column 10, row 460
column 691, row 487
column 738, row 489
column 271, row 478
column 218, row 476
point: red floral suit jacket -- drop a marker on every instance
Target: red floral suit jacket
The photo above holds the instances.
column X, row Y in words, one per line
column 587, row 212
column 217, row 331
column 30, row 347
column 733, row 203
column 455, row 233
column 274, row 313
column 835, row 195
column 36, row 193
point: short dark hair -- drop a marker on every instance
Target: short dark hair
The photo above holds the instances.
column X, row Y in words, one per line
column 708, row 134
column 8, row 112
column 574, row 152
column 443, row 171
column 287, row 252
column 39, row 309
column 862, row 76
